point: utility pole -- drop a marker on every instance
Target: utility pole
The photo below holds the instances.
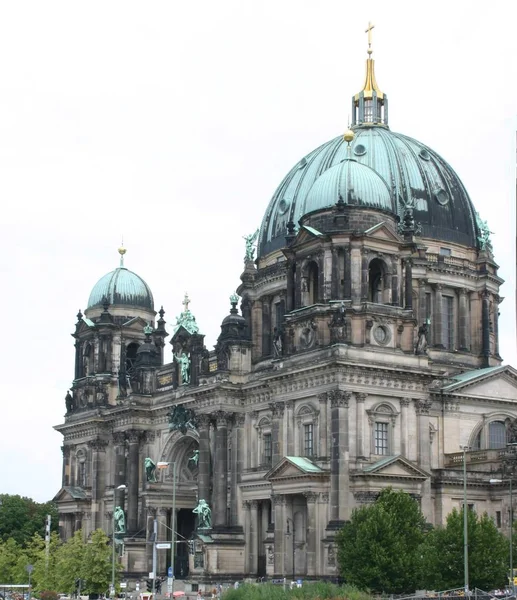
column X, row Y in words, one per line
column 47, row 541
column 173, row 523
column 155, row 535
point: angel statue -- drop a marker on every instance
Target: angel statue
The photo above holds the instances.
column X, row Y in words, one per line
column 195, row 457
column 184, row 363
column 250, row 245
column 204, row 514
column 150, row 470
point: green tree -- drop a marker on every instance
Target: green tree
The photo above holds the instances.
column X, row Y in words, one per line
column 70, row 561
column 10, row 553
column 96, row 566
column 21, row 518
column 380, row 548
column 487, row 553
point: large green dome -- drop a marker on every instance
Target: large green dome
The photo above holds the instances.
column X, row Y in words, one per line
column 122, row 287
column 412, row 171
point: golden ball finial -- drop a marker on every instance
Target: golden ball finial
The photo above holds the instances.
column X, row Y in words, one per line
column 122, row 250
column 348, row 136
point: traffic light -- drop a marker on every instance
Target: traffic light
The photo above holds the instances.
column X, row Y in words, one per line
column 149, row 584
column 191, row 547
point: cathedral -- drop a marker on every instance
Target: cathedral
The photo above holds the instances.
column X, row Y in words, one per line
column 360, row 351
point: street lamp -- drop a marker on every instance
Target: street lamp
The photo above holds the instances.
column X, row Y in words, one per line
column 164, row 465
column 288, row 533
column 510, row 481
column 465, row 521
column 120, row 487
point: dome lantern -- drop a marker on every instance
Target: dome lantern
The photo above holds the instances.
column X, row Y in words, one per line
column 370, row 105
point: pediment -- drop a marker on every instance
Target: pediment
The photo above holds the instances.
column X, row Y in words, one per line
column 84, row 325
column 497, row 383
column 135, row 324
column 294, row 467
column 382, row 232
column 393, row 467
column 307, row 234
column 70, row 494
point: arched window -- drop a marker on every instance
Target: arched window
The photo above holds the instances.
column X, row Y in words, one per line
column 131, row 351
column 313, row 286
column 497, row 435
column 376, row 271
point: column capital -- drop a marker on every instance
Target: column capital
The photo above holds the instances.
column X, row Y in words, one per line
column 422, row 406
column 221, row 418
column 277, row 408
column 360, row 396
column 134, row 436
column 254, row 504
column 239, row 419
column 149, row 436
column 151, row 510
column 66, row 450
column 119, row 438
column 405, row 401
column 311, row 497
column 203, row 421
column 163, row 511
column 278, row 499
column 246, row 504
column 99, row 445
column 323, row 397
column 339, row 398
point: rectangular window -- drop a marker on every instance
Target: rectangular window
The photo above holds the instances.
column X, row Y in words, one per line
column 428, row 316
column 308, row 439
column 445, row 251
column 448, row 322
column 268, row 450
column 381, row 438
column 498, row 519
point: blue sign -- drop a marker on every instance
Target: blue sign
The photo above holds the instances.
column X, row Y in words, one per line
column 169, row 572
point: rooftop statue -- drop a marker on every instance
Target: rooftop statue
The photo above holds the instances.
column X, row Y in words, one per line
column 186, row 318
column 184, row 363
column 150, row 470
column 250, row 245
column 484, row 233
column 204, row 514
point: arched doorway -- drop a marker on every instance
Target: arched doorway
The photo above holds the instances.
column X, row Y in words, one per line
column 376, row 281
column 313, row 273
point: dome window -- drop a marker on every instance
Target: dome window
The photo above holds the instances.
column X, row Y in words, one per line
column 302, row 163
column 424, row 155
column 283, row 206
column 442, row 197
column 359, row 150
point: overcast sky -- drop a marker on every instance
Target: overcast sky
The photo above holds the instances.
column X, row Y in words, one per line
column 172, row 123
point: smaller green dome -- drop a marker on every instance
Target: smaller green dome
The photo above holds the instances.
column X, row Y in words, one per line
column 122, row 286
column 353, row 183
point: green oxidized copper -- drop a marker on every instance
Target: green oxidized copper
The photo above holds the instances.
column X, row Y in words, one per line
column 204, row 514
column 150, row 470
column 186, row 319
column 184, row 363
column 120, row 520
column 234, row 299
column 182, row 419
column 195, row 457
column 148, row 329
column 250, row 245
column 484, row 233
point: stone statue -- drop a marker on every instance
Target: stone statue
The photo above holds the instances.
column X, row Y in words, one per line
column 204, row 514
column 69, row 402
column 120, row 520
column 484, row 233
column 195, row 457
column 421, row 345
column 250, row 245
column 182, row 419
column 339, row 331
column 512, row 432
column 150, row 470
column 278, row 346
column 184, row 363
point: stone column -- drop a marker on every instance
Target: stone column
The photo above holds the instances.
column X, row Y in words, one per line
column 247, row 535
column 220, row 483
column 497, row 300
column 404, row 433
column 266, row 326
column 422, row 408
column 78, row 359
column 163, row 535
column 78, row 516
column 254, row 532
column 485, row 326
column 339, row 461
column 119, row 466
column 408, row 284
column 133, row 480
column 311, row 498
column 464, row 321
column 323, row 400
column 65, row 476
column 422, row 315
column 394, row 281
column 98, row 473
column 237, row 466
column 364, row 275
column 277, row 409
column 335, row 285
column 437, row 317
column 289, row 300
column 360, row 421
column 289, row 430
column 203, row 480
column 279, row 505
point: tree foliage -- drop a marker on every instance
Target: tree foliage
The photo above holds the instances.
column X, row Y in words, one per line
column 21, row 518
column 487, row 554
column 96, row 567
column 380, row 548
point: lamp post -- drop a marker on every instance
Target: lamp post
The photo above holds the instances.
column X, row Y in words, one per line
column 120, row 487
column 465, row 522
column 510, row 481
column 288, row 533
column 163, row 465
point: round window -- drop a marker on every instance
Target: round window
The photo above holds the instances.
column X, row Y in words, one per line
column 442, row 197
column 424, row 155
column 359, row 150
column 381, row 335
column 283, row 206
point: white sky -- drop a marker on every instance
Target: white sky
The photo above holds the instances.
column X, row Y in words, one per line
column 173, row 122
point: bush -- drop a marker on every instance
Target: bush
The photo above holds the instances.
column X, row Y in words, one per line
column 48, row 595
column 318, row 590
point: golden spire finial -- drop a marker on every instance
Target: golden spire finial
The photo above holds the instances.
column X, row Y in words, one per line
column 369, row 32
column 122, row 251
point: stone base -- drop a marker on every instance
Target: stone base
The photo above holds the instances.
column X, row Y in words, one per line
column 219, row 553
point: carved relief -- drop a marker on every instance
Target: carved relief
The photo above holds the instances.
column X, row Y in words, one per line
column 339, row 398
column 307, row 334
column 340, row 327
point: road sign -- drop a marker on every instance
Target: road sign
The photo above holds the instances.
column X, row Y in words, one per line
column 169, row 584
column 169, row 572
column 137, row 587
column 29, row 568
column 123, row 585
column 163, row 546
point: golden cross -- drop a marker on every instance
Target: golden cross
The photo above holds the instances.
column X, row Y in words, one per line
column 369, row 32
column 185, row 302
